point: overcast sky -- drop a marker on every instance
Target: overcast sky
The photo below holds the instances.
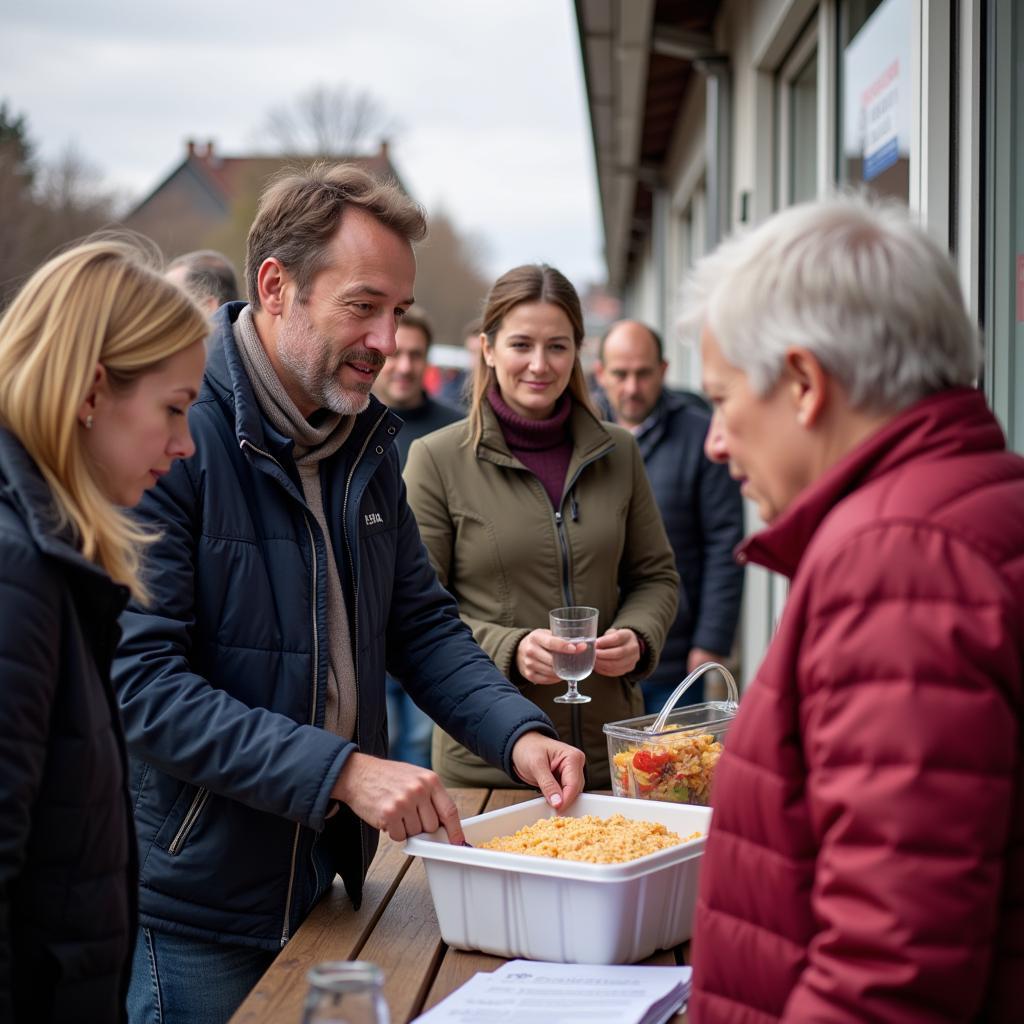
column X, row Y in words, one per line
column 489, row 96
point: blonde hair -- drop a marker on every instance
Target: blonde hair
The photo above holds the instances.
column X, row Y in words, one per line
column 101, row 302
column 532, row 282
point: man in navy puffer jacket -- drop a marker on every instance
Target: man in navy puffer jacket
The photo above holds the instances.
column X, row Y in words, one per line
column 699, row 503
column 289, row 574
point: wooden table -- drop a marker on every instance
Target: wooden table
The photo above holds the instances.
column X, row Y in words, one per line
column 395, row 928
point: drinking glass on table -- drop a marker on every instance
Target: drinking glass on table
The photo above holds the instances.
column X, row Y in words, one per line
column 577, row 624
column 345, row 992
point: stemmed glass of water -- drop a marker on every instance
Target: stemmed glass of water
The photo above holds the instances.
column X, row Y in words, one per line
column 577, row 624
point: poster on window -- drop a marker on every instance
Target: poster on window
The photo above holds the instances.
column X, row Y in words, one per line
column 877, row 96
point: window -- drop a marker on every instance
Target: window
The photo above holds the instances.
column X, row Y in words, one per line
column 876, row 95
column 798, row 122
column 803, row 136
column 686, row 247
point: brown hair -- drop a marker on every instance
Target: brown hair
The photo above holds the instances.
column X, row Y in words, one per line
column 532, row 282
column 416, row 318
column 299, row 212
column 208, row 275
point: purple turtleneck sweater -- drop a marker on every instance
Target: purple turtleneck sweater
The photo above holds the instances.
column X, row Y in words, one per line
column 543, row 446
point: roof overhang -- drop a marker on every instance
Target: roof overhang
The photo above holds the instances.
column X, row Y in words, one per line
column 638, row 59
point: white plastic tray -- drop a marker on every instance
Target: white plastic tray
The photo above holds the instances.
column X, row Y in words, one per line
column 512, row 905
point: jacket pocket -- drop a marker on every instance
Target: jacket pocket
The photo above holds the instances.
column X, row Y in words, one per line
column 188, row 823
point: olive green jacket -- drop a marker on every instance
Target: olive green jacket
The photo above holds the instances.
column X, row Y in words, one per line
column 508, row 558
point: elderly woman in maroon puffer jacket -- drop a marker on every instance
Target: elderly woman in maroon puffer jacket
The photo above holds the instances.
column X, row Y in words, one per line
column 866, row 860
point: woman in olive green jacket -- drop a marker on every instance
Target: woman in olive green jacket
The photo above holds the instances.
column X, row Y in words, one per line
column 532, row 504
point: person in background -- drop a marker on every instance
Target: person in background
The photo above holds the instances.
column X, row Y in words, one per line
column 531, row 504
column 399, row 386
column 454, row 390
column 699, row 503
column 289, row 575
column 866, row 857
column 99, row 360
column 208, row 277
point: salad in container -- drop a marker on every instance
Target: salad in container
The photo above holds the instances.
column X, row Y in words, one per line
column 672, row 756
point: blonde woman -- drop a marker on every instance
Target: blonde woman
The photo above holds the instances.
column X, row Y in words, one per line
column 99, row 360
column 532, row 503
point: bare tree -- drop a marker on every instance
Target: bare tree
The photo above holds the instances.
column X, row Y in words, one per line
column 72, row 187
column 73, row 201
column 45, row 205
column 329, row 120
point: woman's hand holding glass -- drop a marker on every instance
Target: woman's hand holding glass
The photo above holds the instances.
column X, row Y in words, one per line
column 535, row 656
column 616, row 653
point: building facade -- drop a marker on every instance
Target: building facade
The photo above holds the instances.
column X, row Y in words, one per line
column 709, row 115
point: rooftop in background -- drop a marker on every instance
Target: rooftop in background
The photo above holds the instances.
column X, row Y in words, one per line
column 208, row 200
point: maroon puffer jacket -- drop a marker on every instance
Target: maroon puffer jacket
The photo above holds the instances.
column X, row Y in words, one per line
column 866, row 859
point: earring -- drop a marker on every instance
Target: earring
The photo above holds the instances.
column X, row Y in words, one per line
column 88, row 422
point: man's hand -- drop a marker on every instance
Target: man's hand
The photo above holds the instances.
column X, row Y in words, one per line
column 400, row 799
column 555, row 768
column 698, row 656
column 533, row 656
column 616, row 652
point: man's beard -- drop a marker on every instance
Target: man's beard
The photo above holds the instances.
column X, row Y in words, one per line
column 309, row 358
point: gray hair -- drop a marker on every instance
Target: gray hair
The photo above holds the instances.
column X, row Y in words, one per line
column 854, row 282
column 208, row 275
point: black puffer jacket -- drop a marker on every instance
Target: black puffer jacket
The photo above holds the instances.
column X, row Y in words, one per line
column 68, row 868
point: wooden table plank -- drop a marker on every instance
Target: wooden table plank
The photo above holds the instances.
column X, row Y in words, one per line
column 405, row 941
column 508, row 797
column 406, row 945
column 455, row 970
column 335, row 931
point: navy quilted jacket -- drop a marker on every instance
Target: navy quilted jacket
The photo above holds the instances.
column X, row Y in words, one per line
column 222, row 680
column 701, row 507
column 67, row 854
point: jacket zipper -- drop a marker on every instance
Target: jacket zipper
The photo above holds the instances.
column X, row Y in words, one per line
column 191, row 817
column 355, row 601
column 286, row 929
column 560, row 528
column 563, row 544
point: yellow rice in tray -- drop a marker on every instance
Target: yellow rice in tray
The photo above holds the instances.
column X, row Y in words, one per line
column 588, row 838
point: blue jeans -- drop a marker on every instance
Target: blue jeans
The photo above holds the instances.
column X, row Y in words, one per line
column 409, row 729
column 180, row 980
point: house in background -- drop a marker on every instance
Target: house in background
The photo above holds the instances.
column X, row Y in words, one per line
column 208, row 201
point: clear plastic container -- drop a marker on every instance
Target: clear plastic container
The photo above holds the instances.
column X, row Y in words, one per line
column 671, row 756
